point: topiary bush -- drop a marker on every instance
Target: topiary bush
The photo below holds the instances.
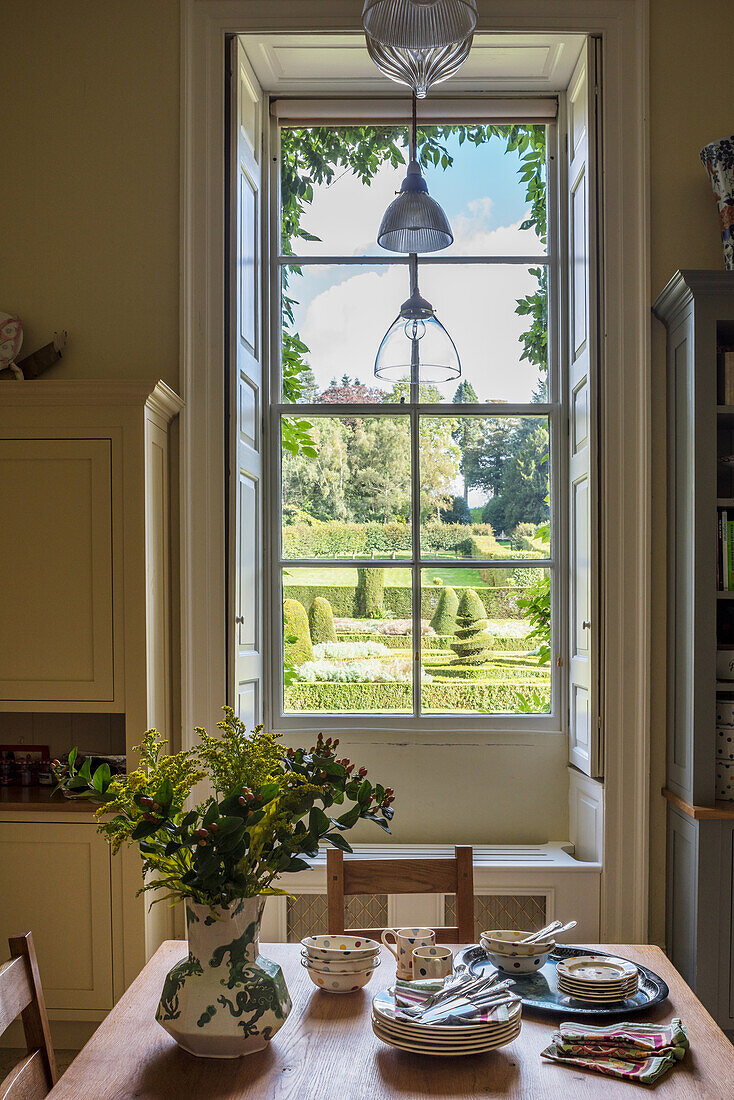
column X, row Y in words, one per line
column 297, row 646
column 472, row 643
column 444, row 620
column 321, row 621
column 369, row 598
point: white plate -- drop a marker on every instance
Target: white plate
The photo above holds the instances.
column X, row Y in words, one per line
column 408, row 1036
column 597, row 969
column 443, row 1052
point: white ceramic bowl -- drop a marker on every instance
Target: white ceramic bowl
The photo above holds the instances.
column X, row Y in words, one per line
column 341, row 966
column 517, row 964
column 340, row 947
column 505, row 942
column 339, row 983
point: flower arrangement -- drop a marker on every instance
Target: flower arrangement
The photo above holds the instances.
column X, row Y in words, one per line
column 269, row 808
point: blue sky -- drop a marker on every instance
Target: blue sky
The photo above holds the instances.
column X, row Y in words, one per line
column 343, row 311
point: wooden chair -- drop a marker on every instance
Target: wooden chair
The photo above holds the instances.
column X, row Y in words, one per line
column 21, row 995
column 402, row 876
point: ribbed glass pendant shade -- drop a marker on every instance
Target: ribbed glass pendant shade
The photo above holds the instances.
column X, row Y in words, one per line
column 419, row 69
column 417, row 346
column 414, row 222
column 419, row 24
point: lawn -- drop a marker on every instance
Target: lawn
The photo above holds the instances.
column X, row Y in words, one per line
column 326, row 576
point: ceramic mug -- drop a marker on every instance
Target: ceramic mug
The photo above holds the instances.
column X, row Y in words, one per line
column 432, row 962
column 404, row 940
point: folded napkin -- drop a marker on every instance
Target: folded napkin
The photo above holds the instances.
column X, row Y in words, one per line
column 461, row 1011
column 634, row 1052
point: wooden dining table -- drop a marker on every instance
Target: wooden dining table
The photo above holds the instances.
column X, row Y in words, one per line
column 327, row 1050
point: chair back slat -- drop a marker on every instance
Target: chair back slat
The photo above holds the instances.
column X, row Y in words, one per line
column 21, row 995
column 403, row 876
column 16, row 991
column 26, row 1081
column 399, row 876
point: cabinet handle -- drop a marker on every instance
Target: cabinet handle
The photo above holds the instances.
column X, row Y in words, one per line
column 586, row 624
column 239, row 619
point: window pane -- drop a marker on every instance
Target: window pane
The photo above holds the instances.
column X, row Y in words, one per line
column 484, row 487
column 335, row 316
column 487, row 647
column 496, row 314
column 347, row 640
column 348, row 494
column 476, row 180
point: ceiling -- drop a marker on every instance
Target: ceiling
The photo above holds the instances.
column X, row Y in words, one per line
column 331, row 63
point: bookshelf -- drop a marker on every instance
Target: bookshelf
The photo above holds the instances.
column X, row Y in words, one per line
column 697, row 309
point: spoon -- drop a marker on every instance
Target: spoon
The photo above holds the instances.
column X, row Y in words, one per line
column 553, row 929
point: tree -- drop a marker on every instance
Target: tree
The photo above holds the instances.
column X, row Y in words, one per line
column 472, row 642
column 321, row 621
column 525, row 479
column 457, row 513
column 369, row 596
column 348, row 392
column 379, row 456
column 444, row 618
column 468, row 436
column 297, row 648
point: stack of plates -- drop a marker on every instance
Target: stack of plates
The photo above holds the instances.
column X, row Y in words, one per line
column 442, row 1040
column 597, row 978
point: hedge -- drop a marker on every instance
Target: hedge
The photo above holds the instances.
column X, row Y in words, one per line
column 499, row 603
column 334, row 539
column 456, row 696
column 321, row 621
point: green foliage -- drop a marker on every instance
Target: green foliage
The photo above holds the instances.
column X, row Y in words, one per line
column 536, row 605
column 321, row 621
column 444, row 619
column 499, row 602
column 369, row 597
column 457, row 513
column 297, row 646
column 457, row 696
column 472, row 642
column 267, row 811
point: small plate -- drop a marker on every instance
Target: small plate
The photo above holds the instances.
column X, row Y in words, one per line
column 383, row 1005
column 597, row 969
column 421, row 1039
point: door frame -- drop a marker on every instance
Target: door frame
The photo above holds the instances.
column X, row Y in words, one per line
column 625, row 391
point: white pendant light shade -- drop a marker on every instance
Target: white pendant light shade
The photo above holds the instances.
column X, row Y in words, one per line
column 414, row 222
column 419, row 69
column 417, row 346
column 419, row 24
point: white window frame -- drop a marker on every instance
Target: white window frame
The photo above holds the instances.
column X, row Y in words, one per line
column 502, row 110
column 626, row 388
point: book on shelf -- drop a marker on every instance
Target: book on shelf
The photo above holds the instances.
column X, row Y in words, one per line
column 728, row 363
column 725, row 553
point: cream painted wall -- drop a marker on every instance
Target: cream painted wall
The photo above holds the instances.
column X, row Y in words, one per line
column 90, row 242
column 90, row 182
column 691, row 104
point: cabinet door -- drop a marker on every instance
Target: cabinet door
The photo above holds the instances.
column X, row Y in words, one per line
column 60, row 877
column 56, row 576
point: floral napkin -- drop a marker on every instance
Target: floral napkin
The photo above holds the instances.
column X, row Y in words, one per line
column 633, row 1052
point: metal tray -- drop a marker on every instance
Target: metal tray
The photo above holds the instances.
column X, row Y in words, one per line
column 539, row 990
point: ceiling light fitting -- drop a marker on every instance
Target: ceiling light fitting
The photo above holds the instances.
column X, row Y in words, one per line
column 419, row 24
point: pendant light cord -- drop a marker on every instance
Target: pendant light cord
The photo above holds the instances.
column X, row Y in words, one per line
column 414, row 144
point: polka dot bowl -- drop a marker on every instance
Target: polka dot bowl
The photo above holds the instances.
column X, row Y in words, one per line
column 339, row 983
column 340, row 966
column 506, row 942
column 518, row 964
column 340, row 947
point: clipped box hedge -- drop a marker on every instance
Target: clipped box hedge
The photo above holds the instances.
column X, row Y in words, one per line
column 445, row 696
column 499, row 602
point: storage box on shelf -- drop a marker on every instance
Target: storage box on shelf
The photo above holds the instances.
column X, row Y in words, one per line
column 86, row 633
column 697, row 308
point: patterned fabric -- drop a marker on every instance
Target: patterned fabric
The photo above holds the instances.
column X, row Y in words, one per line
column 633, row 1052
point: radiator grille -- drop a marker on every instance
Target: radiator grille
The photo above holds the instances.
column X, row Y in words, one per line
column 515, row 911
column 306, row 914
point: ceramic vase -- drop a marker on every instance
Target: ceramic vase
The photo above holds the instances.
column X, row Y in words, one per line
column 224, row 1000
column 718, row 160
